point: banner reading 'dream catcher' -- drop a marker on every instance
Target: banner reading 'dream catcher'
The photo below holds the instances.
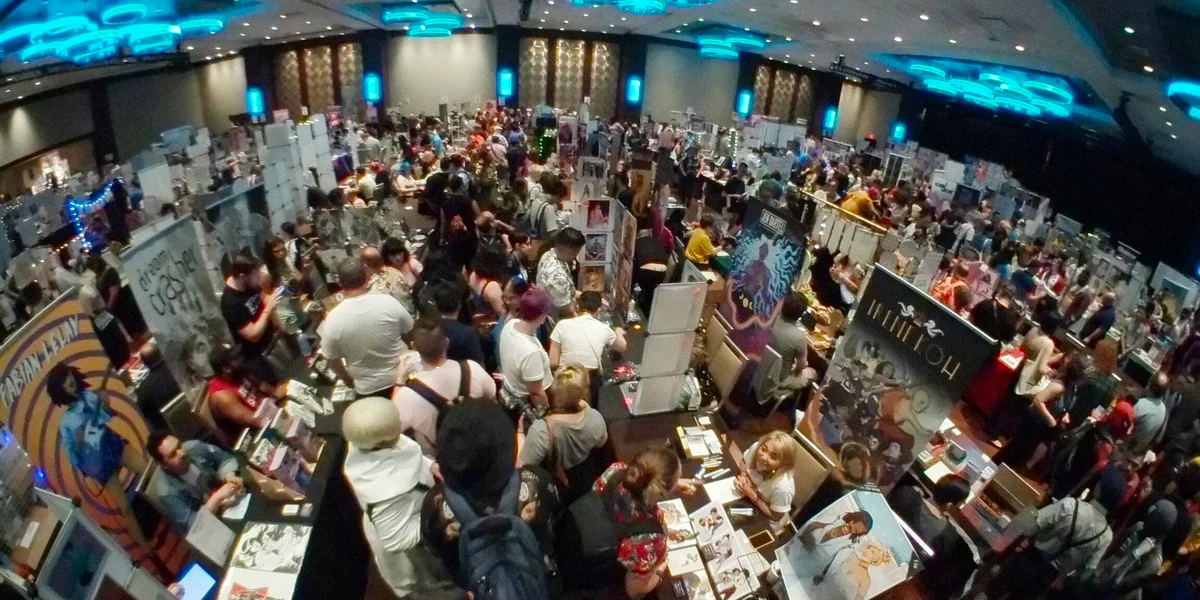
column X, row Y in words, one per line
column 904, row 361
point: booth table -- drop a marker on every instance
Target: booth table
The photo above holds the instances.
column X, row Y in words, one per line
column 631, row 435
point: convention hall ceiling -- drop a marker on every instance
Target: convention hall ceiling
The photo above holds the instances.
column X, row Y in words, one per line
column 1107, row 50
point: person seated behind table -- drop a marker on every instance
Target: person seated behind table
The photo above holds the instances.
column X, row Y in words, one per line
column 437, row 383
column 234, row 396
column 390, row 476
column 768, row 483
column 157, row 389
column 578, row 433
column 475, row 445
column 700, row 248
column 194, row 475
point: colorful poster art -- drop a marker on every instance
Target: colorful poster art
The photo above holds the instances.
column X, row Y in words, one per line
column 177, row 299
column 853, row 549
column 69, row 409
column 905, row 359
column 640, row 185
column 769, row 252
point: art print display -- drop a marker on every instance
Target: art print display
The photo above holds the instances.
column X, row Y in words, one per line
column 640, row 184
column 359, row 225
column 693, row 586
column 598, row 215
column 330, row 228
column 684, row 560
column 66, row 405
column 677, row 524
column 228, row 227
column 177, row 300
column 853, row 549
column 79, row 566
column 266, row 562
column 903, row 362
column 623, row 280
column 768, row 254
column 593, row 168
column 591, row 278
column 595, row 247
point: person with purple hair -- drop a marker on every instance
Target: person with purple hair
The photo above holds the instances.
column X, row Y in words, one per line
column 524, row 364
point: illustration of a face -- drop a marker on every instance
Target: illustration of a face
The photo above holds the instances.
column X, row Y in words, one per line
column 920, row 402
column 874, row 554
column 893, row 451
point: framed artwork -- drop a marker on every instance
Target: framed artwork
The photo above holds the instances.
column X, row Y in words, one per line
column 595, row 247
column 599, row 214
column 78, row 566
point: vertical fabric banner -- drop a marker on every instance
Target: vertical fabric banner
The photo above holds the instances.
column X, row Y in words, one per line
column 905, row 359
column 229, row 227
column 89, row 437
column 770, row 250
column 176, row 297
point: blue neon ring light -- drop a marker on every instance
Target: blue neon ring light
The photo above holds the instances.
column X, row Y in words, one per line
column 123, row 14
column 90, row 42
column 1186, row 96
column 1052, row 108
column 61, row 27
column 201, row 26
column 1050, row 89
column 403, row 15
column 928, row 70
column 940, row 86
column 1015, row 91
column 642, row 7
column 444, row 20
column 13, row 38
column 38, row 51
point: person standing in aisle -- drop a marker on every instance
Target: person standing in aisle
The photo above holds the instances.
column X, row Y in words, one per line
column 248, row 311
column 524, row 365
column 555, row 268
column 1150, row 415
column 584, row 341
column 390, row 478
column 363, row 336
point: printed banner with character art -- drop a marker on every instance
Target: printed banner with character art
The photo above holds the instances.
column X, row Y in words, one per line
column 904, row 361
column 769, row 252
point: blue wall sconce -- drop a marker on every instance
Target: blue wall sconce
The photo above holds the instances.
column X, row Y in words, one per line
column 829, row 122
column 372, row 88
column 504, row 83
column 633, row 90
column 256, row 105
column 745, row 103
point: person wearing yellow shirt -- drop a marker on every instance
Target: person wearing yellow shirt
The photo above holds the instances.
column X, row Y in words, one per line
column 859, row 203
column 700, row 247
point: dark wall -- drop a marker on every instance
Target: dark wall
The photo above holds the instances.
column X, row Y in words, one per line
column 1141, row 200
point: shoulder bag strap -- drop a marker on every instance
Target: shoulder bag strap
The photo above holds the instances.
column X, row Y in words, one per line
column 429, row 395
column 464, row 380
column 1070, row 539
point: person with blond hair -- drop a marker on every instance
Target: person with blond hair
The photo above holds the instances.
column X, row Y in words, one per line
column 768, row 483
column 569, row 440
column 389, row 477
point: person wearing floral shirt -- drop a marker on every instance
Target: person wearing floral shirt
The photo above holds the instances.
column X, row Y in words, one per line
column 476, row 447
column 554, row 268
column 630, row 493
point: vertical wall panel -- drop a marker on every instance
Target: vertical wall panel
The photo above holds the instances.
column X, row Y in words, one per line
column 318, row 74
column 350, row 72
column 605, row 82
column 677, row 78
column 804, row 98
column 535, row 58
column 568, row 79
column 287, row 82
column 781, row 96
column 762, row 83
column 472, row 78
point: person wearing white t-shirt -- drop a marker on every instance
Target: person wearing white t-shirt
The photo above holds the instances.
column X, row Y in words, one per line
column 583, row 339
column 436, row 384
column 524, row 365
column 363, row 335
column 768, row 483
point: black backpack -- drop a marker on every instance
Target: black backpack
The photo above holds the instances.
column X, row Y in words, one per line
column 501, row 557
column 437, row 400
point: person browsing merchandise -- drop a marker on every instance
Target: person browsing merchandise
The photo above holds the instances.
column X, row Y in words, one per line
column 524, row 365
column 363, row 335
column 437, row 384
column 194, row 475
column 248, row 312
column 584, row 340
column 554, row 268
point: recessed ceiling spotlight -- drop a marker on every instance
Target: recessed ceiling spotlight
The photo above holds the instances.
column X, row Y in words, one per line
column 470, row 16
column 953, row 41
column 795, row 1
column 1020, row 48
column 1169, row 124
column 566, row 22
column 207, row 58
column 267, row 38
column 551, row 3
column 217, row 48
column 865, row 63
column 787, row 55
column 747, row 29
column 788, row 39
column 328, row 28
column 20, row 97
column 1129, row 30
column 273, row 28
column 851, row 39
column 924, row 17
column 7, row 91
column 887, row 70
column 678, row 31
column 898, row 39
column 242, row 34
column 37, row 83
column 863, row 19
column 282, row 16
column 1162, row 109
column 816, row 23
column 1148, row 69
column 542, row 20
column 701, row 19
column 190, row 48
column 310, row 22
column 562, row 28
column 813, row 55
column 624, row 19
column 545, row 12
column 1174, row 137
column 245, row 24
column 752, row 9
column 585, row 14
column 297, row 33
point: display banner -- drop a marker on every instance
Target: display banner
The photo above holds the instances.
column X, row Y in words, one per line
column 854, row 548
column 81, row 438
column 177, row 300
column 769, row 252
column 905, row 359
column 228, row 227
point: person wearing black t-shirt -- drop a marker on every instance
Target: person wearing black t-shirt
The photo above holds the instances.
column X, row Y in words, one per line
column 457, row 223
column 248, row 313
column 435, row 189
column 157, row 389
column 996, row 317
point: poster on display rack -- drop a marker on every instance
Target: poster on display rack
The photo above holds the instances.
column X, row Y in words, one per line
column 177, row 299
column 568, row 142
column 854, row 548
column 78, row 447
column 769, row 252
column 228, row 227
column 903, row 362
